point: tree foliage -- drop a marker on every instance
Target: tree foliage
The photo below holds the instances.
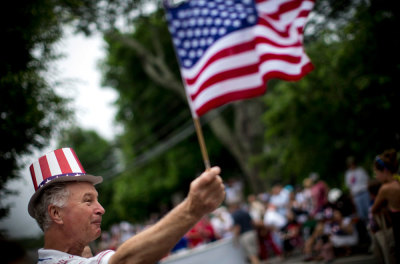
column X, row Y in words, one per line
column 30, row 110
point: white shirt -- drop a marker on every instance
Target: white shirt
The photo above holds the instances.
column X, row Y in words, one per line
column 50, row 256
column 356, row 180
column 274, row 219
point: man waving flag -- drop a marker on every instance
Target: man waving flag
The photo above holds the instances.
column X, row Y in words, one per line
column 229, row 49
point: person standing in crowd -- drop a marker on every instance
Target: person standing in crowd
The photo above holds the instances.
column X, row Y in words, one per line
column 380, row 230
column 356, row 179
column 222, row 222
column 244, row 232
column 66, row 207
column 256, row 208
column 280, row 198
column 319, row 193
column 234, row 191
column 274, row 221
column 386, row 168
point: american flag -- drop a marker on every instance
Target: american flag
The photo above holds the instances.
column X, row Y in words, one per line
column 229, row 49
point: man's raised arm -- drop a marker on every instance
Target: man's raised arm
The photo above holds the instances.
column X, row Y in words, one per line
column 205, row 195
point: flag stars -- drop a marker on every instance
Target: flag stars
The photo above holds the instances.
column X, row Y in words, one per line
column 227, row 22
column 195, row 43
column 239, row 7
column 211, row 4
column 192, row 54
column 237, row 23
column 200, row 21
column 176, row 23
column 181, row 15
column 182, row 52
column 181, row 34
column 224, row 14
column 177, row 41
column 197, row 32
column 187, row 63
column 198, row 24
column 196, row 12
column 186, row 44
column 214, row 12
column 205, row 11
column 251, row 19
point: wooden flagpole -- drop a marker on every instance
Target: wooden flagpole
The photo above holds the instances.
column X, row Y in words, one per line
column 196, row 120
column 203, row 148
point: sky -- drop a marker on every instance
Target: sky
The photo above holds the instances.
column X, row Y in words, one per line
column 94, row 110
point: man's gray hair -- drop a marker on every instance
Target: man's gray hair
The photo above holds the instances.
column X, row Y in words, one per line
column 56, row 194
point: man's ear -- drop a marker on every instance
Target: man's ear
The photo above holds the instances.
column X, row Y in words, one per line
column 55, row 214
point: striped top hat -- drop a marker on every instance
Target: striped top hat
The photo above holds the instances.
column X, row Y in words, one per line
column 60, row 165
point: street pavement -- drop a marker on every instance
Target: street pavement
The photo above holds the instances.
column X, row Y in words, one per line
column 354, row 259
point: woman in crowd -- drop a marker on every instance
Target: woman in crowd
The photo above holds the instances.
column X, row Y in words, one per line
column 386, row 168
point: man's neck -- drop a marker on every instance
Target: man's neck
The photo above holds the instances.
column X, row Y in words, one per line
column 54, row 239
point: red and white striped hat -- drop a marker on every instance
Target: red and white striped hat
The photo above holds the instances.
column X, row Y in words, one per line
column 60, row 165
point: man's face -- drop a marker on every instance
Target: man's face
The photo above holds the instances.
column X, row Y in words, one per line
column 82, row 213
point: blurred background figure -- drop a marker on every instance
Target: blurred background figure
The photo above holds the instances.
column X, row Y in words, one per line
column 280, row 198
column 274, row 221
column 319, row 193
column 386, row 168
column 233, row 191
column 356, row 179
column 244, row 232
column 222, row 222
column 201, row 233
column 380, row 228
column 291, row 234
column 256, row 208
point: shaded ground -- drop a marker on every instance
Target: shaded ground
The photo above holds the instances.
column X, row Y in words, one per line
column 354, row 259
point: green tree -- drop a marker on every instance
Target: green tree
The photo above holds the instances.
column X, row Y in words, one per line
column 30, row 110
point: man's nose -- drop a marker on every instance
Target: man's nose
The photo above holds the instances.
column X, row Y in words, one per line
column 99, row 209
